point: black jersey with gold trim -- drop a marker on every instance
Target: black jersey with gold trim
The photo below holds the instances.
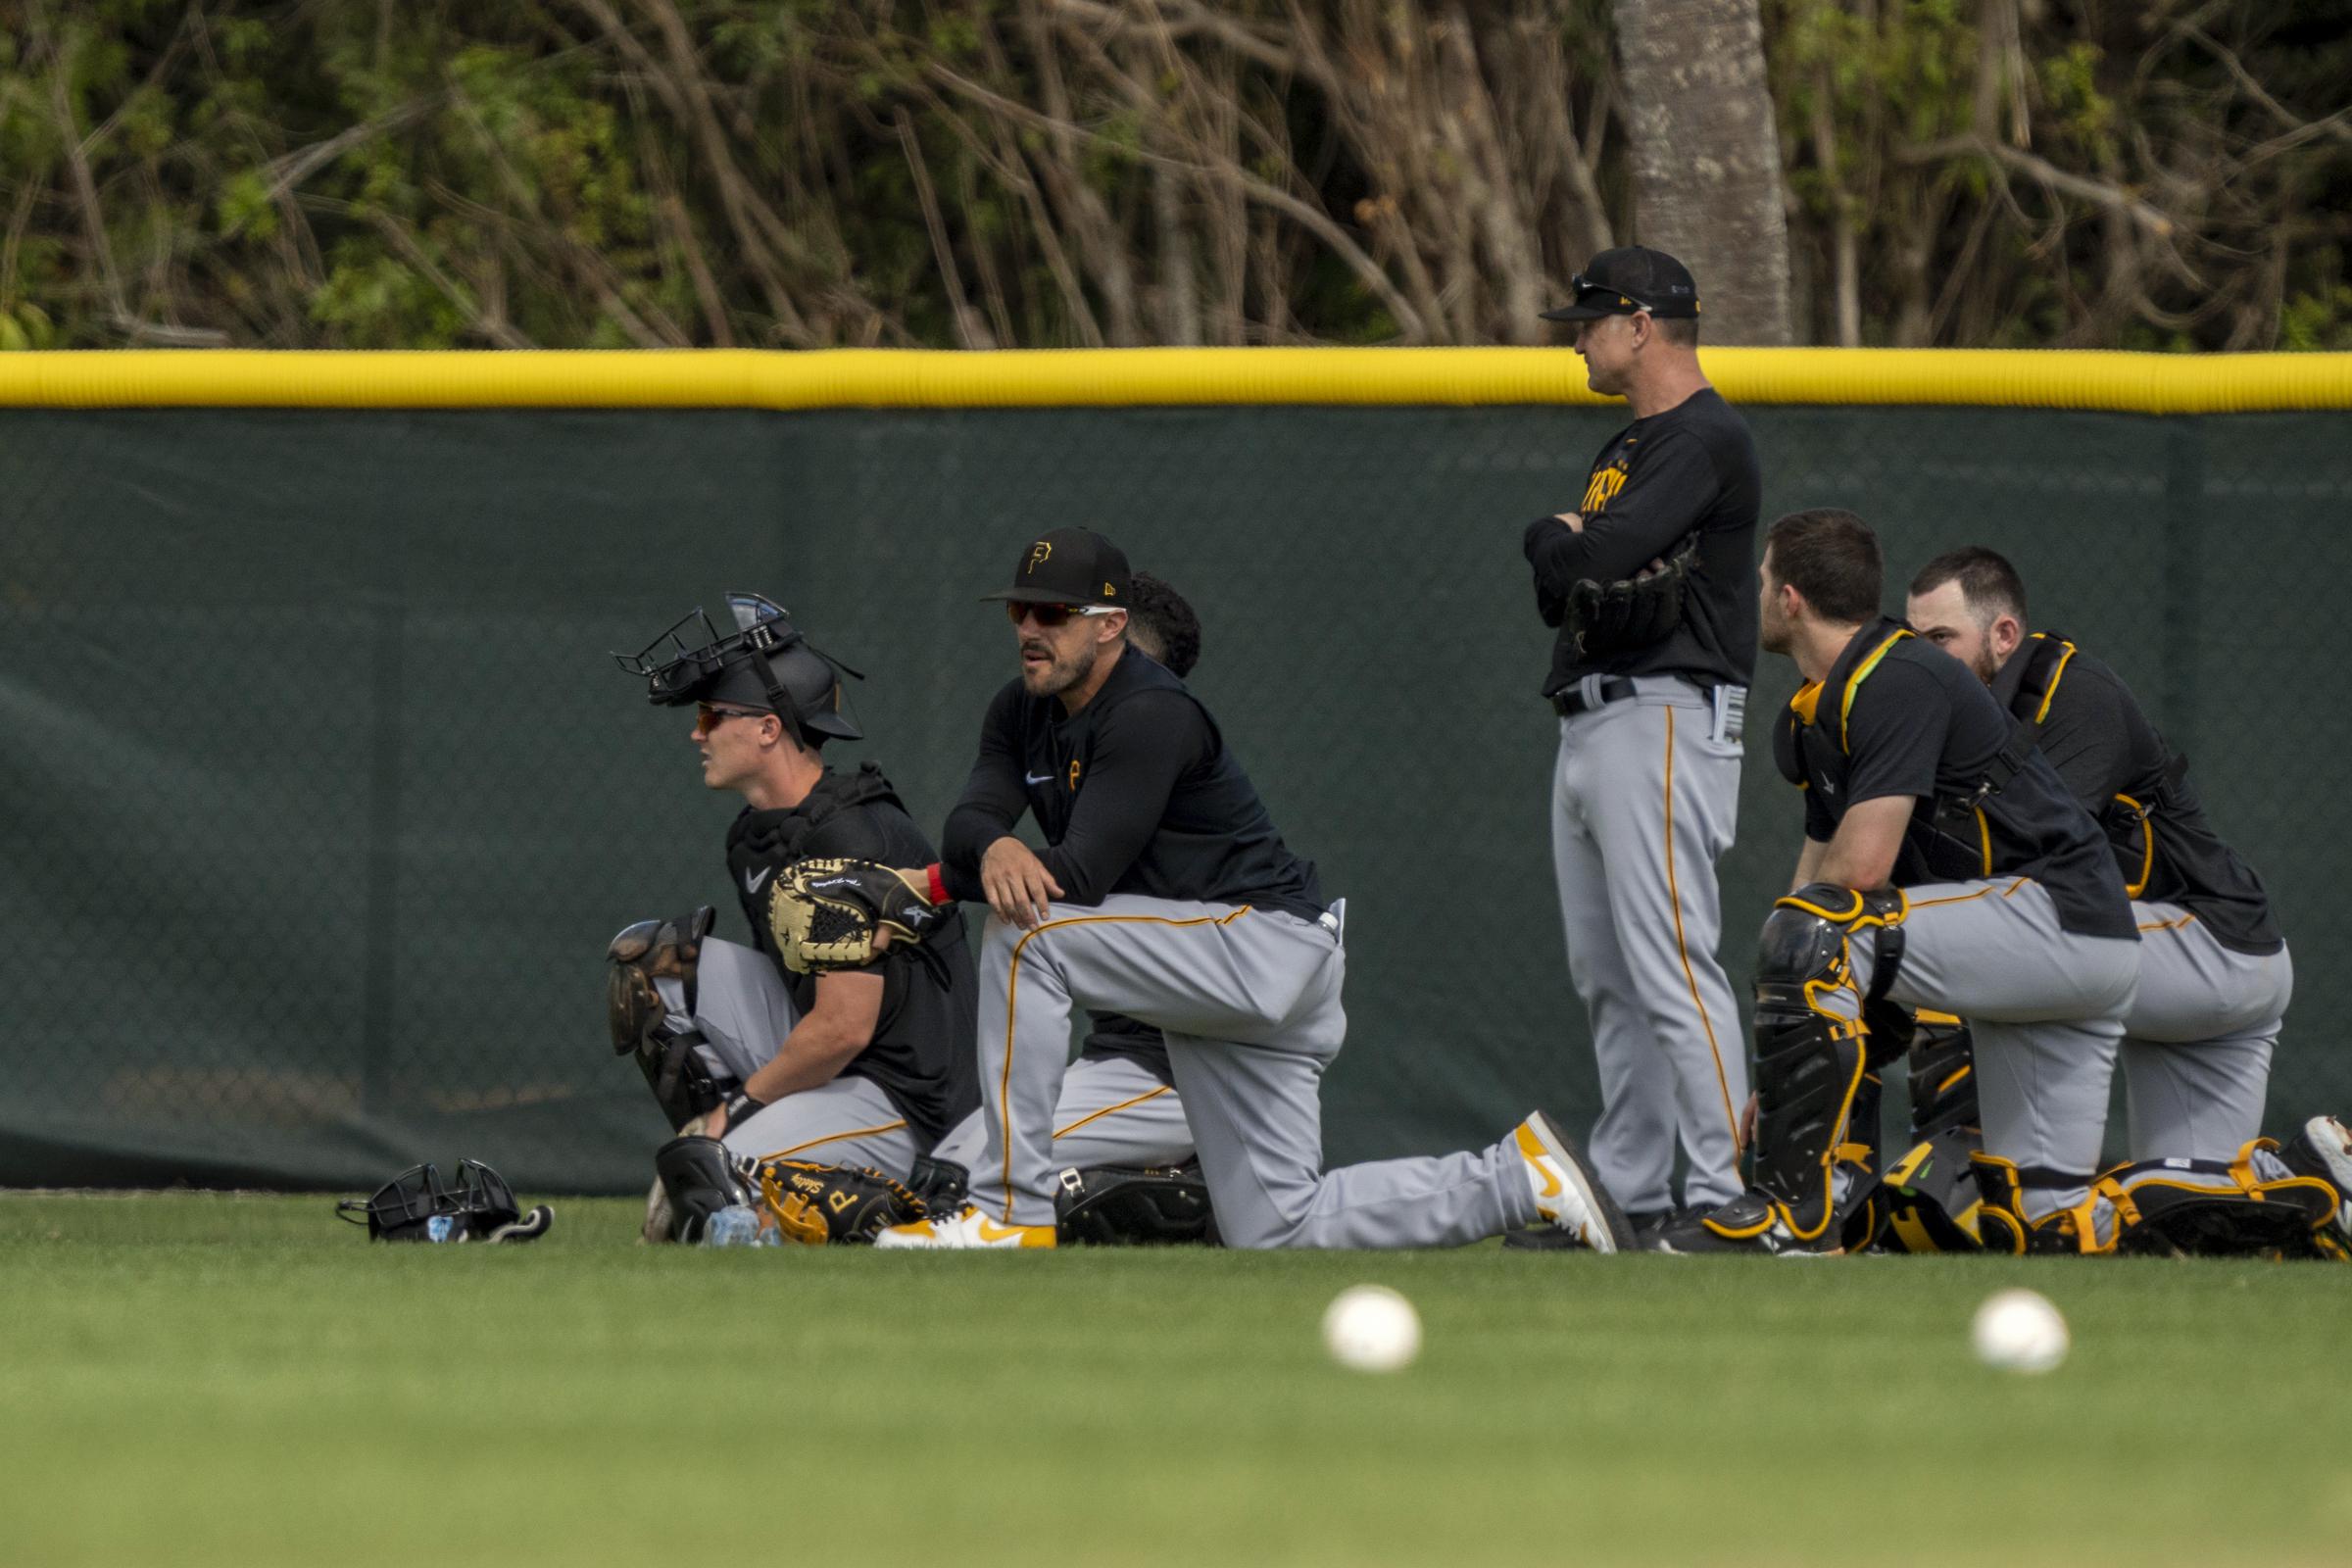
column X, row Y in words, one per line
column 1896, row 715
column 2120, row 767
column 1689, row 472
column 921, row 1054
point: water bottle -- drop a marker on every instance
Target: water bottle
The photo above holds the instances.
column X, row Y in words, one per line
column 738, row 1225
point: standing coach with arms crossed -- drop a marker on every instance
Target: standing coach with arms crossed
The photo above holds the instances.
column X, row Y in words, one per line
column 1652, row 582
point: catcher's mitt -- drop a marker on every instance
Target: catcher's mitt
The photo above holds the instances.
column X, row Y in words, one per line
column 824, row 913
column 1611, row 617
column 813, row 1205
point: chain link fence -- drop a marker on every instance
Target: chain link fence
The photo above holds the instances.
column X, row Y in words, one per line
column 322, row 798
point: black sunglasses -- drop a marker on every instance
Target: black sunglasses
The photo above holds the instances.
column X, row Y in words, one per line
column 1583, row 285
column 1051, row 616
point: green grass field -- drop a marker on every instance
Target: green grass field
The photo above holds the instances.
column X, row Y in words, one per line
column 190, row 1379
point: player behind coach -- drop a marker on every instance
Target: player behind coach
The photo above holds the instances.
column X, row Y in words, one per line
column 2215, row 975
column 1652, row 582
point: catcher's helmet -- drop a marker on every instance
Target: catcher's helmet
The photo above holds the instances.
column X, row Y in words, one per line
column 767, row 663
column 416, row 1205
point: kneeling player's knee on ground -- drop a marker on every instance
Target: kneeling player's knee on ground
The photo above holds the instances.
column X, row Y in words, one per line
column 1269, row 1221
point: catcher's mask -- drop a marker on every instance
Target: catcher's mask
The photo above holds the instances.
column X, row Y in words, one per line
column 767, row 663
column 416, row 1205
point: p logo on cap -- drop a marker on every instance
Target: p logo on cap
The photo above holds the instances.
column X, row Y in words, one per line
column 1073, row 566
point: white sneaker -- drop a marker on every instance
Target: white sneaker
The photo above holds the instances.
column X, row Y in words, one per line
column 2324, row 1148
column 966, row 1228
column 1568, row 1194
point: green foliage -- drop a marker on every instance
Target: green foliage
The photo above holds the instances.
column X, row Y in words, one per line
column 449, row 172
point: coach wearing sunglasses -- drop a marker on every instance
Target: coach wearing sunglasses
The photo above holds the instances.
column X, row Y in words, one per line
column 1650, row 581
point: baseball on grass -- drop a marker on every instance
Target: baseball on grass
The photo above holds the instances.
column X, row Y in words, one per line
column 2019, row 1331
column 1370, row 1327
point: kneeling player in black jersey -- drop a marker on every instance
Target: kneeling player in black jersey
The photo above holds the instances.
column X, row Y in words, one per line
column 2215, row 973
column 1120, row 1118
column 1945, row 866
column 862, row 1067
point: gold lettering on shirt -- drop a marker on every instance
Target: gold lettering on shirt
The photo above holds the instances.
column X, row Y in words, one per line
column 1602, row 487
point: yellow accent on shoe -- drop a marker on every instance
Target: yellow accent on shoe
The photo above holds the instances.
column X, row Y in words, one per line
column 1539, row 1161
column 965, row 1230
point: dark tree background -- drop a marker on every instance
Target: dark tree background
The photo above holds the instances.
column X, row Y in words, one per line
column 2158, row 173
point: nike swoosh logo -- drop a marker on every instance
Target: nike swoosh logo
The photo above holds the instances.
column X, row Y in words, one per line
column 1039, row 778
column 751, row 883
column 1533, row 1149
column 991, row 1231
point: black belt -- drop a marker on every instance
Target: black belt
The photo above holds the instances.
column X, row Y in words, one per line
column 1569, row 701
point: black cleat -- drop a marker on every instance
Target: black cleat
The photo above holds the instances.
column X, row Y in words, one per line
column 1647, row 1225
column 1749, row 1223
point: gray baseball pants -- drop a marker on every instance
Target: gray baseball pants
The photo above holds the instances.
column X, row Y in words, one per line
column 2045, row 1008
column 742, row 1007
column 1644, row 799
column 1112, row 1111
column 2197, row 1043
column 1249, row 1003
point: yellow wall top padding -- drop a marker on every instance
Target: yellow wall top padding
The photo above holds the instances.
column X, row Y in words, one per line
column 922, row 378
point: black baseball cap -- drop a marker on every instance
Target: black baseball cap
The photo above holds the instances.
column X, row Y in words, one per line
column 1069, row 566
column 1629, row 279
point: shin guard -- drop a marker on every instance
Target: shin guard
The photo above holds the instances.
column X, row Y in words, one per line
column 1932, row 1195
column 2206, row 1208
column 1811, row 1061
column 2001, row 1222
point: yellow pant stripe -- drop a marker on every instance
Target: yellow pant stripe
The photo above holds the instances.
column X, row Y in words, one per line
column 830, row 1138
column 1674, row 896
column 1012, row 991
column 1136, row 1100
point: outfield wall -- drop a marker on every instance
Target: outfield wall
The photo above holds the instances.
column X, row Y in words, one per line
column 321, row 798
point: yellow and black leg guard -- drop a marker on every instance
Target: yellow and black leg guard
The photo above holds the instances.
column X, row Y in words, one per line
column 1811, row 1073
column 2206, row 1208
column 1864, row 1202
column 2001, row 1222
column 1931, row 1193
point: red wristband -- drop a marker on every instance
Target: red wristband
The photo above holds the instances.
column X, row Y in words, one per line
column 939, row 888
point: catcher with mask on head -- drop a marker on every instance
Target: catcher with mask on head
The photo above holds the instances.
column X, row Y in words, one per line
column 859, row 1069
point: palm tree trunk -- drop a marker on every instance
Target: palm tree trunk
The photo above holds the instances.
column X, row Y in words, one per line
column 1706, row 158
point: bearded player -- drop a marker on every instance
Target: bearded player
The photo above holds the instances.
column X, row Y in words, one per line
column 2215, row 973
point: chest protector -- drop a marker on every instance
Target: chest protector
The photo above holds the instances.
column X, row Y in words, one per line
column 2127, row 821
column 1952, row 841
